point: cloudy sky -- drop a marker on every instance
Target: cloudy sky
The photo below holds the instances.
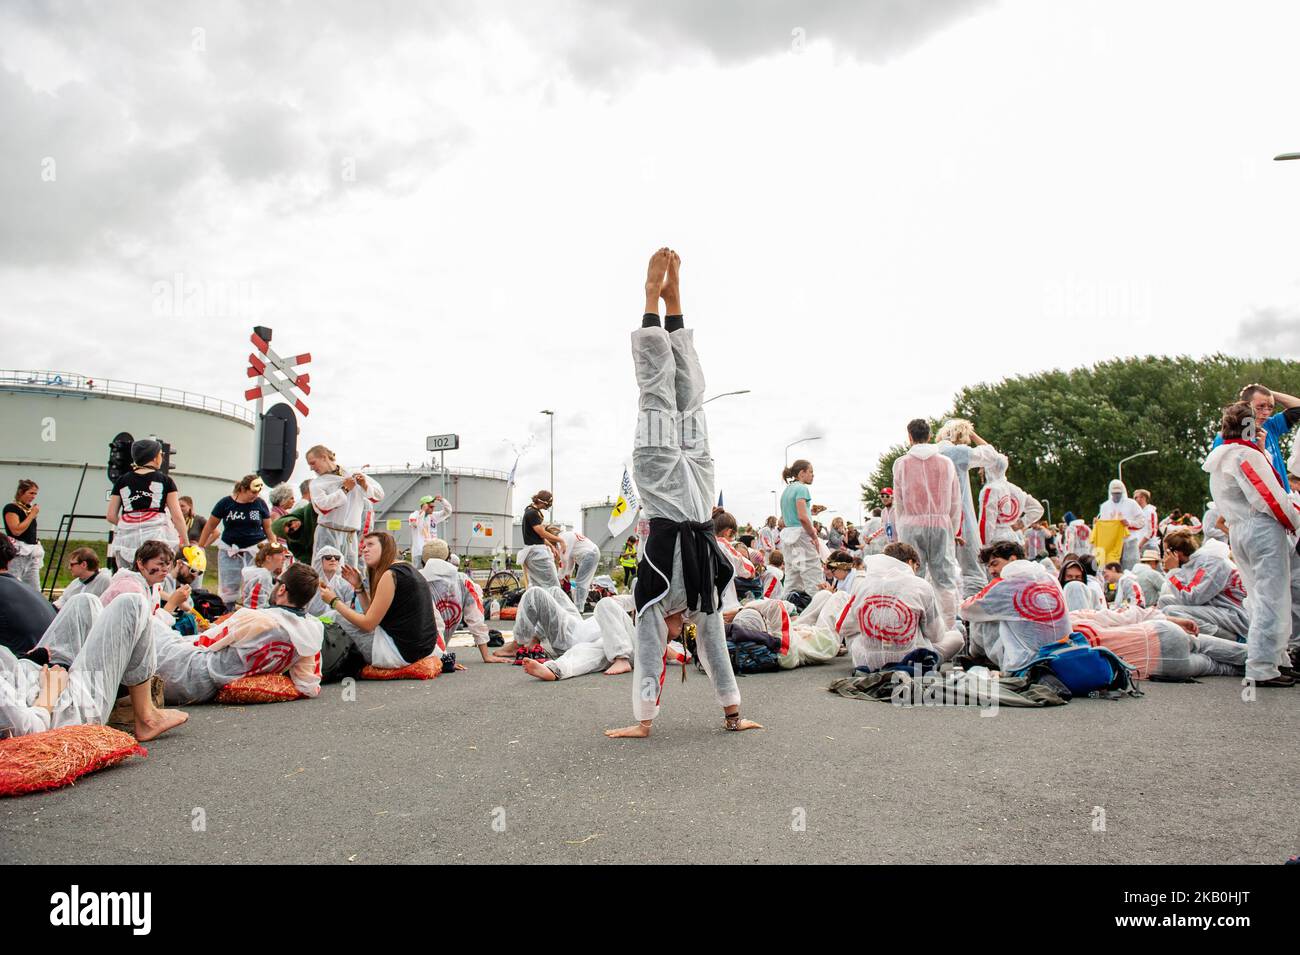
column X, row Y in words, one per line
column 450, row 205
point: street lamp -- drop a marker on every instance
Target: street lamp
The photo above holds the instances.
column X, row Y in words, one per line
column 1283, row 156
column 1047, row 506
column 551, row 415
column 743, row 391
column 815, row 437
column 1140, row 454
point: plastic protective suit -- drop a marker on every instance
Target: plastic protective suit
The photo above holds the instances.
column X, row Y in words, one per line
column 963, row 458
column 1029, row 608
column 1003, row 505
column 1151, row 581
column 26, row 564
column 1210, row 525
column 340, row 514
column 892, row 612
column 579, row 563
column 1128, row 592
column 1120, row 507
column 928, row 512
column 579, row 646
column 342, row 589
column 424, row 528
column 1078, row 538
column 1158, row 647
column 247, row 643
column 456, row 599
column 1263, row 523
column 130, row 534
column 95, row 586
column 673, row 469
column 256, row 584
column 773, row 582
column 1210, row 591
column 873, row 536
column 1150, row 528
column 112, row 647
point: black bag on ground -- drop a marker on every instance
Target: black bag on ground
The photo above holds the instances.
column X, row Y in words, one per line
column 752, row 658
column 207, row 604
column 339, row 656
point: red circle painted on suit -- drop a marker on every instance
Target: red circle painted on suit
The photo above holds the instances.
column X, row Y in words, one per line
column 1041, row 602
column 886, row 618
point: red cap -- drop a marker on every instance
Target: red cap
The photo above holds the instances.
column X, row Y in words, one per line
column 887, row 490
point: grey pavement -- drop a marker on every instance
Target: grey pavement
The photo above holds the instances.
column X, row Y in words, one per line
column 490, row 765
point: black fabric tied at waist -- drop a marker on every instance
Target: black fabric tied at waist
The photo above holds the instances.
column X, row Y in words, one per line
column 705, row 568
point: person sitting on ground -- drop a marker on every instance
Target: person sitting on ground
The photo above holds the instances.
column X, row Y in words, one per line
column 1204, row 587
column 330, row 559
column 153, row 562
column 1077, row 586
column 87, row 576
column 773, row 575
column 1122, row 588
column 894, row 611
column 1149, row 577
column 1159, row 646
column 839, row 566
column 456, row 599
column 24, row 613
column 116, row 649
column 602, row 642
column 1024, row 600
column 724, row 530
column 395, row 625
column 256, row 581
column 282, row 638
column 298, row 527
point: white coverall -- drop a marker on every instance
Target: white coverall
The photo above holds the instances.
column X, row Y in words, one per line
column 424, row 528
column 1078, row 538
column 1158, row 647
column 892, row 612
column 110, row 647
column 1027, row 604
column 1209, row 590
column 247, row 643
column 963, row 458
column 673, row 469
column 1003, row 504
column 773, row 582
column 928, row 512
column 256, row 584
column 95, row 586
column 340, row 514
column 1264, row 523
column 579, row 563
column 342, row 589
column 1130, row 512
column 456, row 599
column 579, row 646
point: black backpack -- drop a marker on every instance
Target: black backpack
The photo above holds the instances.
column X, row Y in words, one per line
column 207, row 604
column 749, row 657
column 339, row 655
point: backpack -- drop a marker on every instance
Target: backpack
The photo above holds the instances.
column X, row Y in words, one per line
column 749, row 657
column 1083, row 669
column 207, row 604
column 339, row 655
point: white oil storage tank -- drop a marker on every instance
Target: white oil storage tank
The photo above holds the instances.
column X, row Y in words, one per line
column 480, row 498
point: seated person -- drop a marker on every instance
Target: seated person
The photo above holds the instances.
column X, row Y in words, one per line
column 330, row 569
column 152, row 562
column 724, row 529
column 87, row 576
column 601, row 642
column 1203, row 586
column 1122, row 587
column 117, row 648
column 256, row 581
column 773, row 576
column 24, row 613
column 1024, row 600
column 456, row 599
column 843, row 574
column 893, row 612
column 297, row 528
column 283, row 637
column 395, row 625
column 1149, row 576
column 1160, row 646
column 1077, row 586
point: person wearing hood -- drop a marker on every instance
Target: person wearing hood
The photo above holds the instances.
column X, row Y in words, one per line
column 1005, row 508
column 1078, row 536
column 1024, row 601
column 961, row 445
column 424, row 521
column 1118, row 506
column 456, row 599
column 1127, row 591
column 330, row 559
column 928, row 514
column 144, row 505
column 1251, row 498
column 1149, row 576
column 282, row 638
column 682, row 571
column 893, row 611
column 1202, row 585
column 1078, row 586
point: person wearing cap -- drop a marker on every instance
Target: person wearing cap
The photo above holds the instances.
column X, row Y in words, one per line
column 887, row 517
column 424, row 521
column 1149, row 576
column 247, row 523
column 330, row 559
column 143, row 505
column 542, row 549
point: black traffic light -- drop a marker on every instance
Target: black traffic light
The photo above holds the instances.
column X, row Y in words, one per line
column 167, row 451
column 279, row 451
column 119, row 456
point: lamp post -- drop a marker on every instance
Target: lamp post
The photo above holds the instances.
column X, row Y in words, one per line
column 815, row 437
column 743, row 391
column 551, row 415
column 1140, row 454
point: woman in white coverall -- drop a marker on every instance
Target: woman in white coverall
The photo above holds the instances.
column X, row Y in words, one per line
column 681, row 570
column 1264, row 523
column 339, row 497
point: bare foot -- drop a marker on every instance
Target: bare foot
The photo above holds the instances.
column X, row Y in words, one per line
column 654, row 278
column 157, row 723
column 741, row 724
column 671, row 293
column 619, row 666
column 636, row 731
column 539, row 670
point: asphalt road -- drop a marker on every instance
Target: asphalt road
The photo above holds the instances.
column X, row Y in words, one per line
column 490, row 765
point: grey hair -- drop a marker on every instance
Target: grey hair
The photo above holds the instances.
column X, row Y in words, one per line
column 281, row 494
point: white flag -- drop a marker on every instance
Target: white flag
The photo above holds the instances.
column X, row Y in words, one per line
column 624, row 513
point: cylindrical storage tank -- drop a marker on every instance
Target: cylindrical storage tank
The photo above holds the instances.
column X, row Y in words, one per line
column 481, row 500
column 55, row 422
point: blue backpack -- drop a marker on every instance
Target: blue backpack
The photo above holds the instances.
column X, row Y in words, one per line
column 1083, row 669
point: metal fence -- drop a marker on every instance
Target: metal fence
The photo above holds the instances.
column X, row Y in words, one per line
column 64, row 381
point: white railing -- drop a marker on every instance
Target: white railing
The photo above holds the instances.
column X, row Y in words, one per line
column 71, row 381
column 434, row 470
